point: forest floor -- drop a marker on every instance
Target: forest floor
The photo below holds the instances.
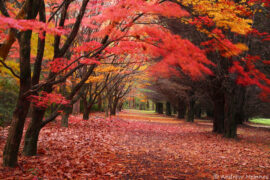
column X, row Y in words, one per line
column 140, row 145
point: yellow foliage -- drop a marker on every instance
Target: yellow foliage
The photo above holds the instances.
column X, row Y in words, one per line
column 4, row 72
column 236, row 51
column 94, row 79
column 224, row 13
column 49, row 49
column 143, row 67
column 107, row 68
column 241, row 46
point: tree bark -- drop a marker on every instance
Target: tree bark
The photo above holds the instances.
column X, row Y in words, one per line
column 66, row 113
column 11, row 149
column 99, row 103
column 76, row 108
column 190, row 111
column 231, row 107
column 32, row 133
column 218, row 119
column 86, row 112
column 114, row 107
column 168, row 109
column 159, row 108
column 181, row 109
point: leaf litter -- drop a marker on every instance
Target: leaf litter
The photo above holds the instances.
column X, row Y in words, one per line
column 126, row 148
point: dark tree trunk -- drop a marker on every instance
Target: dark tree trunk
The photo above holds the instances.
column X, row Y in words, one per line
column 86, row 112
column 230, row 130
column 231, row 107
column 190, row 111
column 11, row 149
column 198, row 111
column 32, row 133
column 120, row 106
column 181, row 109
column 159, row 108
column 168, row 109
column 218, row 114
column 174, row 110
column 113, row 111
column 240, row 114
column 114, row 107
column 147, row 105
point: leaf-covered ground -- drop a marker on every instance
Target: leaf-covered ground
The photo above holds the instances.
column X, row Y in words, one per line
column 142, row 146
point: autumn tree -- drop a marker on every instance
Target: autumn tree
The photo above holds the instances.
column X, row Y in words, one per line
column 219, row 38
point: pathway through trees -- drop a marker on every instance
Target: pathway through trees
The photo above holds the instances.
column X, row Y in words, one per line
column 137, row 144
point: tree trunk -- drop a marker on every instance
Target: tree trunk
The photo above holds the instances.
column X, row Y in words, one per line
column 190, row 111
column 168, row 109
column 11, row 149
column 174, row 110
column 76, row 107
column 240, row 114
column 86, row 112
column 114, row 106
column 66, row 113
column 120, row 106
column 230, row 130
column 147, row 105
column 32, row 133
column 231, row 107
column 181, row 109
column 113, row 111
column 159, row 108
column 198, row 111
column 99, row 103
column 218, row 121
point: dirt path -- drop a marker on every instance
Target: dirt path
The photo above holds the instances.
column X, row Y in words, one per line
column 139, row 145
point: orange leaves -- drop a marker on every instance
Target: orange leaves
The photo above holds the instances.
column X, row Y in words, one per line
column 223, row 45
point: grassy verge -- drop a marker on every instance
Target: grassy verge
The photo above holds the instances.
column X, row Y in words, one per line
column 260, row 121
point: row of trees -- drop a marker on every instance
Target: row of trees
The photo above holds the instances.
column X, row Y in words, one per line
column 237, row 43
column 58, row 52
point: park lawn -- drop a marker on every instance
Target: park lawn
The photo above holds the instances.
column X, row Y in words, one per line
column 260, row 121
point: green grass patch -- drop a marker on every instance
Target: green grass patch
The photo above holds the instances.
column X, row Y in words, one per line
column 141, row 111
column 260, row 121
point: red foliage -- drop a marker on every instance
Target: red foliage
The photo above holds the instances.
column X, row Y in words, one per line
column 89, row 61
column 265, row 2
column 45, row 99
column 250, row 75
column 202, row 20
column 23, row 25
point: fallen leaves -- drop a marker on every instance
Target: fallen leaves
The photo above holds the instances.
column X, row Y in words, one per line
column 123, row 148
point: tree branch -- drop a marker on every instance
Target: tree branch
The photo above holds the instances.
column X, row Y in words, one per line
column 10, row 69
